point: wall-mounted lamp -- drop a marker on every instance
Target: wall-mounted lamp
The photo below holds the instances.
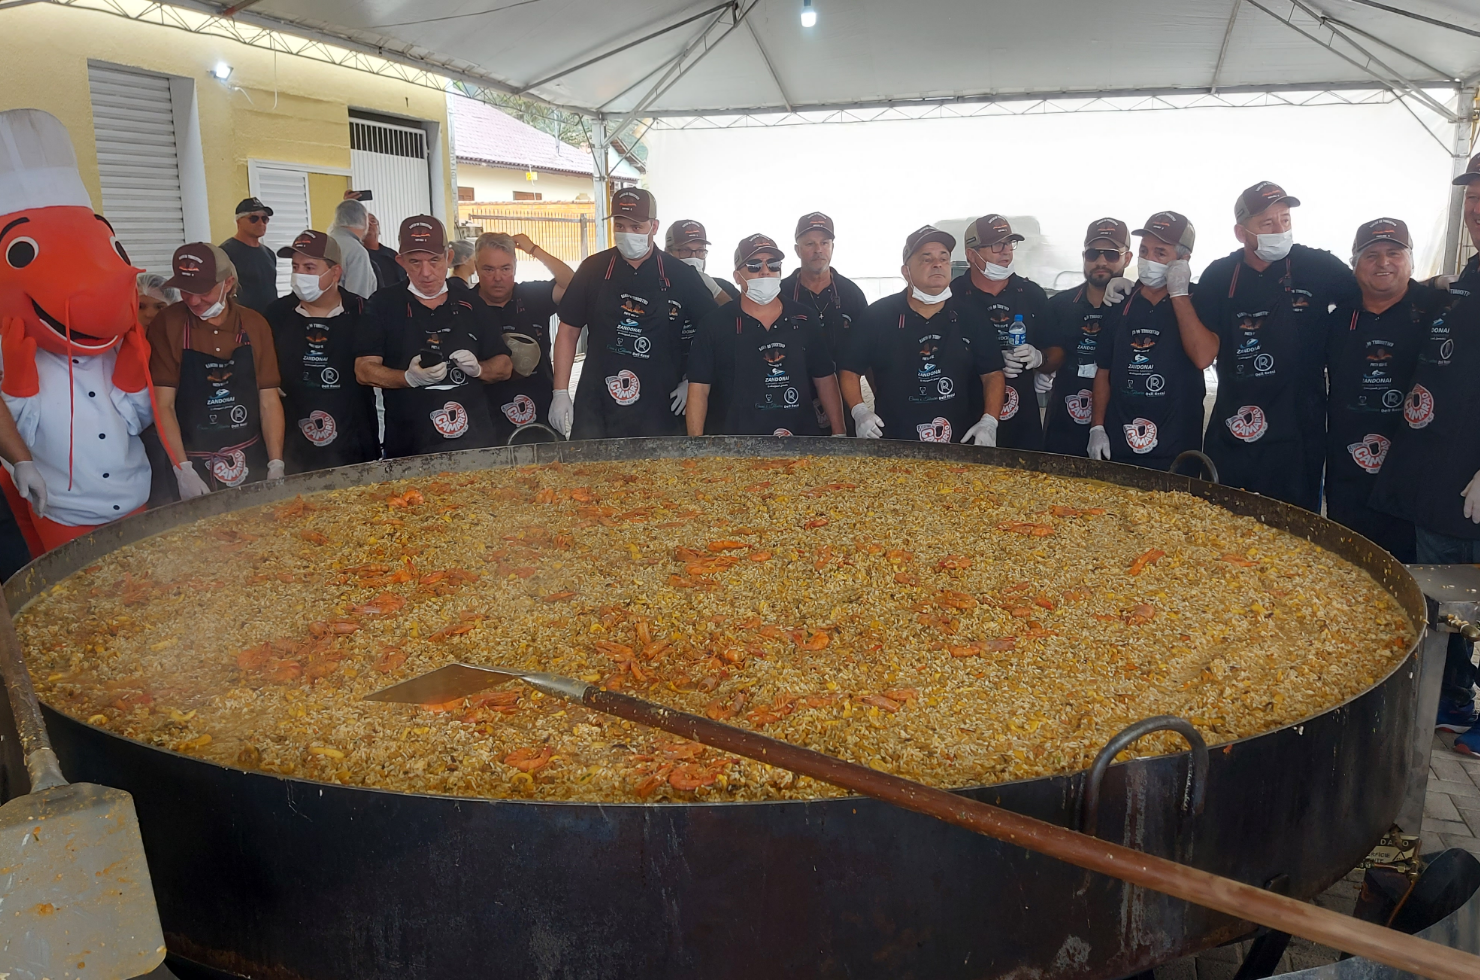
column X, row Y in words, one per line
column 809, row 16
column 221, row 72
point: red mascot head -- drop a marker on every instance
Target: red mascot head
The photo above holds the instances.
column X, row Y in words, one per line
column 63, row 274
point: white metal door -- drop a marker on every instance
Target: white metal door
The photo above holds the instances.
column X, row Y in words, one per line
column 391, row 162
column 286, row 192
column 138, row 162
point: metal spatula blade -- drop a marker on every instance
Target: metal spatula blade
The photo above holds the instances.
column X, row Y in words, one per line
column 459, row 680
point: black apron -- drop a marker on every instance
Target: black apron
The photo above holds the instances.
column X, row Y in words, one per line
column 1071, row 399
column 1266, row 434
column 1020, row 426
column 218, row 408
column 925, row 393
column 521, row 401
column 451, row 414
column 330, row 416
column 633, row 367
column 835, row 324
column 767, row 393
column 1156, row 392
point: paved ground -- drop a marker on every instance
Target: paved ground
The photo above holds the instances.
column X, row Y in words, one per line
column 1451, row 819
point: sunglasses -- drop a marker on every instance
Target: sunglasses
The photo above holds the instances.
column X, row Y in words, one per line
column 257, row 219
column 771, row 265
column 1108, row 254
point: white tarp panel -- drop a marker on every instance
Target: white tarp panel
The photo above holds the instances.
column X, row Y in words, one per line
column 390, row 162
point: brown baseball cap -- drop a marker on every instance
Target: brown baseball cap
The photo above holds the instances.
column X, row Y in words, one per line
column 685, row 232
column 1170, row 227
column 1108, row 230
column 1381, row 230
column 1471, row 174
column 752, row 245
column 923, row 236
column 634, row 203
column 423, row 233
column 990, row 229
column 816, row 221
column 199, row 267
column 315, row 245
column 1260, row 198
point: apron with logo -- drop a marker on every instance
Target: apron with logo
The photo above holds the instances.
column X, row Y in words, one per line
column 778, row 383
column 835, row 324
column 219, row 411
column 330, row 416
column 1265, row 434
column 1071, row 400
column 925, row 392
column 1155, row 408
column 1020, row 426
column 519, row 400
column 451, row 414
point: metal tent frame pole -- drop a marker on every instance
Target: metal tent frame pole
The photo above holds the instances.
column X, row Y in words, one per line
column 1466, row 117
column 601, row 180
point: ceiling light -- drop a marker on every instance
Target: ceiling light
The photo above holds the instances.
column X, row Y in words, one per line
column 222, row 71
column 809, row 16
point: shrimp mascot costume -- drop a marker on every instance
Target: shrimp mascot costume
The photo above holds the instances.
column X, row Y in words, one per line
column 75, row 361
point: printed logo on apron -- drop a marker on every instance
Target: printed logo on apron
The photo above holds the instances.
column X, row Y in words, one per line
column 1080, row 405
column 1418, row 407
column 230, row 469
column 520, row 411
column 1370, row 452
column 1140, row 435
column 624, row 387
column 1248, row 423
column 782, row 432
column 1010, row 406
column 451, row 420
column 936, row 431
column 319, row 428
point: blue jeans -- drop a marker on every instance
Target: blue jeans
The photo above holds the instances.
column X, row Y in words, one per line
column 1458, row 685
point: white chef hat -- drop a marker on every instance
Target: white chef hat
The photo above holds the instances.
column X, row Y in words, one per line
column 37, row 166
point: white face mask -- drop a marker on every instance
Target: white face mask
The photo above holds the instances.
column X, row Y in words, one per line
column 1272, row 248
column 215, row 308
column 926, row 298
column 632, row 245
column 1153, row 274
column 996, row 272
column 441, row 288
column 694, row 261
column 306, row 286
column 763, row 290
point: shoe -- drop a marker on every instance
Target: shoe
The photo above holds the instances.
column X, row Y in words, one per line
column 1468, row 743
column 1457, row 718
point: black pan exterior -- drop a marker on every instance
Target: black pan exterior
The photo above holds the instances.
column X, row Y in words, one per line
column 284, row 879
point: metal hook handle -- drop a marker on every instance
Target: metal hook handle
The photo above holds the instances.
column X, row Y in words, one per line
column 1208, row 466
column 534, row 425
column 1197, row 776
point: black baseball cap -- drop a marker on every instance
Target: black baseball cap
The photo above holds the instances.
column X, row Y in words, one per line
column 634, row 203
column 1471, row 174
column 816, row 221
column 1260, row 198
column 685, row 232
column 1108, row 230
column 752, row 245
column 251, row 205
column 1381, row 230
column 923, row 236
column 1170, row 227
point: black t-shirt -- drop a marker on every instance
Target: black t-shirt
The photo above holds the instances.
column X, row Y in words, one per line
column 388, row 271
column 1073, row 324
column 837, row 307
column 522, row 400
column 256, row 273
column 760, row 379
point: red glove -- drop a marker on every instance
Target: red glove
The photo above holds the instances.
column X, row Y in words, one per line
column 19, row 354
column 131, row 371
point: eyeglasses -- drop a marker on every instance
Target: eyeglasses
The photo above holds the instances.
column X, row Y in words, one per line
column 684, row 252
column 772, row 265
column 257, row 219
column 1108, row 254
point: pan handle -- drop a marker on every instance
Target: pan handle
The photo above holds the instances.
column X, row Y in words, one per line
column 41, row 762
column 534, row 425
column 1209, row 468
column 1197, row 775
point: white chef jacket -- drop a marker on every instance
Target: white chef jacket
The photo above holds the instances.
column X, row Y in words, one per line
column 109, row 470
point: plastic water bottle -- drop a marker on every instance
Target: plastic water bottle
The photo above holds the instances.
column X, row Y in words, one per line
column 1017, row 334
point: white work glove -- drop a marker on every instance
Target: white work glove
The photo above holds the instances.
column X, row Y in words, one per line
column 191, row 485
column 867, row 424
column 1118, row 289
column 562, row 412
column 984, row 433
column 1099, row 443
column 1179, row 278
column 419, row 377
column 466, row 360
column 1024, row 357
column 276, row 470
column 1043, row 383
column 1471, row 493
column 29, row 484
column 678, row 398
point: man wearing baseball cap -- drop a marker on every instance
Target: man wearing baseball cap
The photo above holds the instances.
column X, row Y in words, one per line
column 430, row 351
column 216, row 379
column 686, row 242
column 1075, row 318
column 755, row 362
column 641, row 307
column 836, row 299
column 256, row 268
column 1467, row 281
column 1004, row 298
column 330, row 416
column 1150, row 356
column 928, row 351
column 1267, row 302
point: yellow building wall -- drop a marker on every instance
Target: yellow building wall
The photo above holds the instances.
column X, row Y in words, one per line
column 273, row 107
column 325, row 191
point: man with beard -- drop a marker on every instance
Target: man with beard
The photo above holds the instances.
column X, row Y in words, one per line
column 1012, row 305
column 836, row 300
column 1075, row 319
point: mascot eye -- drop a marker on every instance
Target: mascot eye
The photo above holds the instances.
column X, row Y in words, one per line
column 118, row 247
column 21, row 252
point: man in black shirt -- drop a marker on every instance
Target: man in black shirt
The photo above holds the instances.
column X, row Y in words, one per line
column 382, row 257
column 641, row 307
column 833, row 297
column 256, row 266
column 430, row 351
column 1076, row 318
column 752, row 361
column 520, row 312
column 928, row 350
column 686, row 242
